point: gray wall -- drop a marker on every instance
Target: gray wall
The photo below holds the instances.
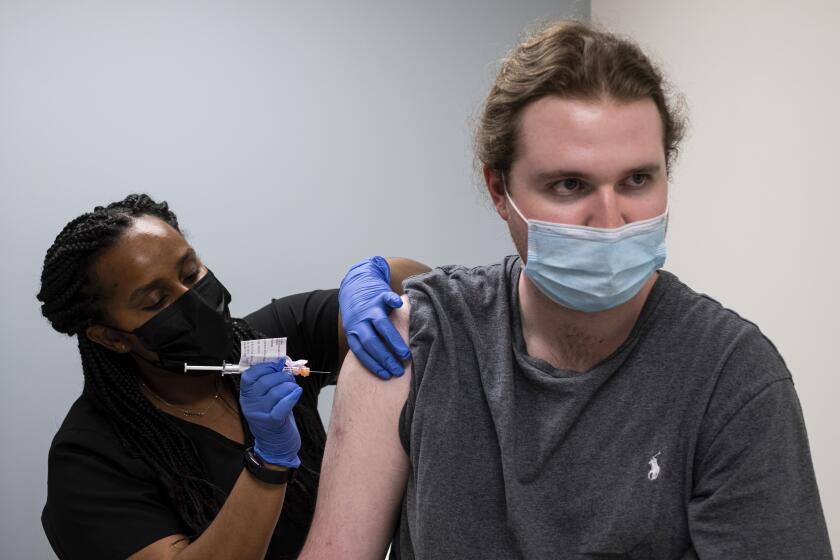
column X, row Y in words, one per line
column 291, row 138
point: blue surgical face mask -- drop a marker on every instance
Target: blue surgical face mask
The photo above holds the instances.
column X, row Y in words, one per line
column 593, row 269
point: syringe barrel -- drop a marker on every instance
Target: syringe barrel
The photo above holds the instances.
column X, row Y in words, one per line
column 224, row 368
column 236, row 369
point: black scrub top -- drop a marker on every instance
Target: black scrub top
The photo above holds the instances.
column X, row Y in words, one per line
column 104, row 503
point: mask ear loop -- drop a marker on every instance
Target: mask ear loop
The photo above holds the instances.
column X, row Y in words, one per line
column 512, row 203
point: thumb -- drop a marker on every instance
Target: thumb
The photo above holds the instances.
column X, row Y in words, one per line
column 392, row 300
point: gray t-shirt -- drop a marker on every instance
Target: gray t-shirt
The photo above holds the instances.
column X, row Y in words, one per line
column 688, row 440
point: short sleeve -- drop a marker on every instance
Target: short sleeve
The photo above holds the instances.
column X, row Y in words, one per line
column 310, row 323
column 755, row 494
column 100, row 502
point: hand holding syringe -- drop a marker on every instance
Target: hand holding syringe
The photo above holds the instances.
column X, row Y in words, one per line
column 235, row 369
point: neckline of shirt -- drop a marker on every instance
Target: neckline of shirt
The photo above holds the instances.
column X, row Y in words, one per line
column 608, row 364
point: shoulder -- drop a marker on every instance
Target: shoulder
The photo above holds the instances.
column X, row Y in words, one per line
column 452, row 291
column 727, row 353
column 85, row 426
column 86, row 455
column 289, row 312
column 704, row 326
column 687, row 308
column 457, row 277
column 86, row 446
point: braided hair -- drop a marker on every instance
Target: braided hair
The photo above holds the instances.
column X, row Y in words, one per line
column 71, row 301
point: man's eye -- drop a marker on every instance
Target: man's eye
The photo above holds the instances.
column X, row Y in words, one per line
column 192, row 278
column 567, row 186
column 638, row 179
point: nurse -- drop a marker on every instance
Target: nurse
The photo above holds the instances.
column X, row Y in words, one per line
column 151, row 462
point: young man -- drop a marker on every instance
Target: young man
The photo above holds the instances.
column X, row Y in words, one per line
column 573, row 401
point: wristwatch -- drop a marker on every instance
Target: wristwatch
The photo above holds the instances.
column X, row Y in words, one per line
column 261, row 472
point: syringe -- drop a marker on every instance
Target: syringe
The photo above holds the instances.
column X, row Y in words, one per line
column 236, row 369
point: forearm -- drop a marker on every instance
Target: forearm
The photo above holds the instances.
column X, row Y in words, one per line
column 241, row 530
column 244, row 525
column 401, row 269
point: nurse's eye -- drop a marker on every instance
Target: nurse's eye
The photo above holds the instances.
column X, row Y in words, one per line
column 158, row 303
column 192, row 278
column 565, row 187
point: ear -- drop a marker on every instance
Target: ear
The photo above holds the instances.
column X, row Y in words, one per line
column 496, row 187
column 108, row 338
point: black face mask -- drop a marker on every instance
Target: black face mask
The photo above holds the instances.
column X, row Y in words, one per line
column 195, row 329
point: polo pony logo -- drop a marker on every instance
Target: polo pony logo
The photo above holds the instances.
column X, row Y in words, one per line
column 654, row 467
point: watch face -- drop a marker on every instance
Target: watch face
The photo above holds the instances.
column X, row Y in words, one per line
column 251, row 457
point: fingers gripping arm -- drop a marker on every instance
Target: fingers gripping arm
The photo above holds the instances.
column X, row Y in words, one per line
column 367, row 296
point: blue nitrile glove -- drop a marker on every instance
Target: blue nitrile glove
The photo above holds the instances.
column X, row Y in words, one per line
column 267, row 395
column 366, row 300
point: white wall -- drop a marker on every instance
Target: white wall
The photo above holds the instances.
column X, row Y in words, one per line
column 292, row 138
column 754, row 197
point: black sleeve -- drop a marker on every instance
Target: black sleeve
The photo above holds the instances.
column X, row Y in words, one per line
column 309, row 321
column 101, row 503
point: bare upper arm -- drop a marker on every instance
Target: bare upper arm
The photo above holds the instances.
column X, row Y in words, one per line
column 365, row 467
column 162, row 549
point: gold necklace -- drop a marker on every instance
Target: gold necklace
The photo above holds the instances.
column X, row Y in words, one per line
column 182, row 410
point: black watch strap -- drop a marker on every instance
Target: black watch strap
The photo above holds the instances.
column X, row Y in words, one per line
column 257, row 467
